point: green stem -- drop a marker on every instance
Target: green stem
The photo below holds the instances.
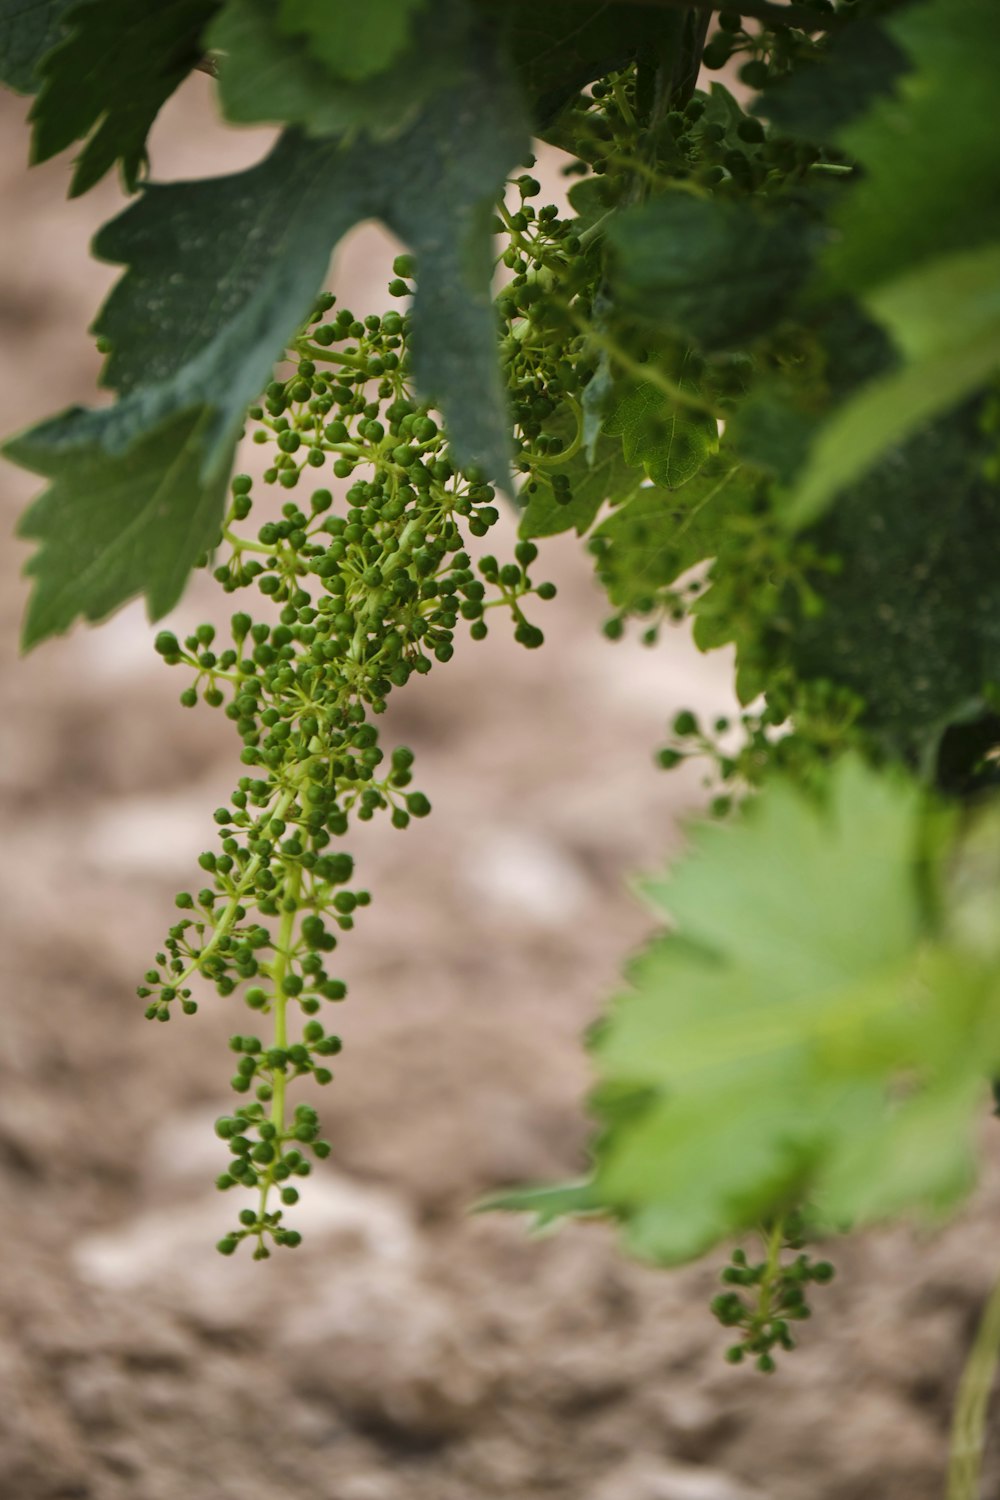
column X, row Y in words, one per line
column 283, row 953
column 553, row 460
column 968, row 1431
column 247, row 876
column 330, row 356
column 774, row 1241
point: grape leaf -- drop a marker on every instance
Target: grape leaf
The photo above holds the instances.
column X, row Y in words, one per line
column 28, row 30
column 654, row 538
column 106, row 81
column 353, row 41
column 560, row 46
column 719, row 273
column 944, row 318
column 931, row 180
column 269, row 76
column 607, row 477
column 821, row 96
column 759, row 1056
column 115, row 525
column 222, row 271
column 912, row 616
column 671, row 442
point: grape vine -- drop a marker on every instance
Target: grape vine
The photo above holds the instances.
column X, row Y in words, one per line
column 750, row 356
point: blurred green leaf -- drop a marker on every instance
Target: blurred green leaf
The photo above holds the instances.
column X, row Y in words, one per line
column 806, row 1035
column 29, row 29
column 945, row 320
column 352, row 41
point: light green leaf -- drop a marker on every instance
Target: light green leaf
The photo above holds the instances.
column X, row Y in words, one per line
column 671, row 442
column 352, row 41
column 931, row 183
column 650, row 541
column 267, row 75
column 546, row 1204
column 808, row 1035
column 607, row 478
column 945, row 319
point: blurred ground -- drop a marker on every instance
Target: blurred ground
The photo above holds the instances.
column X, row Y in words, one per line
column 407, row 1350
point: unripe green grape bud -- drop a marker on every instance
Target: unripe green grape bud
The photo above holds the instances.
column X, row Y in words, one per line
column 404, row 265
column 750, row 130
column 685, row 724
column 227, row 1245
column 529, row 635
column 418, row 805
column 754, row 74
column 398, row 288
column 717, row 53
column 167, row 644
column 256, row 998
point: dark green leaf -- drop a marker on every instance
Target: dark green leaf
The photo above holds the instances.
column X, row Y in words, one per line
column 945, row 320
column 561, row 45
column 222, row 271
column 105, row 83
column 114, row 525
column 912, row 617
column 353, row 41
column 28, row 30
column 817, row 99
column 719, row 273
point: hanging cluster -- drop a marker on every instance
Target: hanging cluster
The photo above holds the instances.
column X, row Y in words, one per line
column 772, row 1295
column 362, row 596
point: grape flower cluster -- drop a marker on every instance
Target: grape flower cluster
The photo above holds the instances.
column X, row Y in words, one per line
column 366, row 594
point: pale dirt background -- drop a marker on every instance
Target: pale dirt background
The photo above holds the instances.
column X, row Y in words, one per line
column 407, row 1352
